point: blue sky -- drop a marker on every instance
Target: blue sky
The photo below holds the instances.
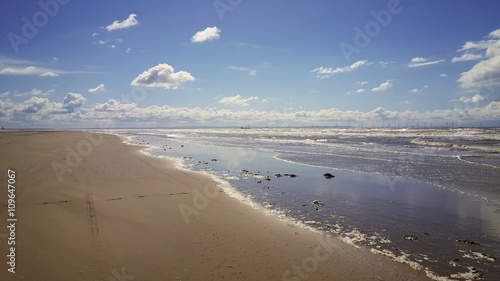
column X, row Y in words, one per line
column 128, row 63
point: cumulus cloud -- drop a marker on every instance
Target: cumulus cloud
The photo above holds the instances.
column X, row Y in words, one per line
column 443, row 75
column 40, row 111
column 420, row 61
column 475, row 99
column 210, row 33
column 72, row 101
column 128, row 22
column 237, row 100
column 250, row 71
column 485, row 73
column 362, row 82
column 383, row 87
column 97, row 89
column 34, row 105
column 162, row 76
column 359, row 91
column 415, row 91
column 466, row 57
column 325, row 72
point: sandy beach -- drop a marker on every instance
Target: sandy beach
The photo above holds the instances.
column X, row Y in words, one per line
column 89, row 207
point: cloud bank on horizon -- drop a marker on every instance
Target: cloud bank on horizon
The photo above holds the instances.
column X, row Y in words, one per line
column 186, row 64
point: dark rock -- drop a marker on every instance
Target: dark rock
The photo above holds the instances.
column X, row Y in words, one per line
column 214, row 160
column 410, row 238
column 278, row 175
column 328, row 176
column 292, row 175
column 467, row 242
column 318, row 203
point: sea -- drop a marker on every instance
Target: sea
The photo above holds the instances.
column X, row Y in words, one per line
column 426, row 197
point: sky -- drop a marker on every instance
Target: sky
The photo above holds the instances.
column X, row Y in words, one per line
column 183, row 63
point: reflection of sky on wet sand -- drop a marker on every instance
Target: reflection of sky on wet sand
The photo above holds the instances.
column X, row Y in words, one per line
column 388, row 206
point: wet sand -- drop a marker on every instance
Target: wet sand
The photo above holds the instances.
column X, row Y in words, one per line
column 89, row 207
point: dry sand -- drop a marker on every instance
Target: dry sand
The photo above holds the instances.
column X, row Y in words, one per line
column 116, row 216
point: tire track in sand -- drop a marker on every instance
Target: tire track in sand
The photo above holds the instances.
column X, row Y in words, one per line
column 97, row 261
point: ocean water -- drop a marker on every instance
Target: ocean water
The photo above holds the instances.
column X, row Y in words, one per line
column 429, row 198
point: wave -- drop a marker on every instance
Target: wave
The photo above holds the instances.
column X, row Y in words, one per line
column 461, row 158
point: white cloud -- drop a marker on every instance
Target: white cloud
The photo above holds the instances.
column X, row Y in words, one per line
column 467, row 57
column 29, row 70
column 485, row 73
column 359, row 91
column 443, row 75
column 23, row 67
column 41, row 112
column 361, row 82
column 97, row 89
column 130, row 21
column 72, row 101
column 162, row 76
column 37, row 110
column 495, row 34
column 420, row 61
column 415, row 91
column 210, row 33
column 237, row 100
column 383, row 87
column 34, row 92
column 475, row 99
column 325, row 72
column 250, row 71
column 49, row 74
column 265, row 101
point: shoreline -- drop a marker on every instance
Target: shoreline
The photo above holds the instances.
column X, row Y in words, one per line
column 125, row 213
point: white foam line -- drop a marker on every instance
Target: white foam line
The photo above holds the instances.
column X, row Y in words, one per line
column 475, row 163
column 350, row 238
column 179, row 163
